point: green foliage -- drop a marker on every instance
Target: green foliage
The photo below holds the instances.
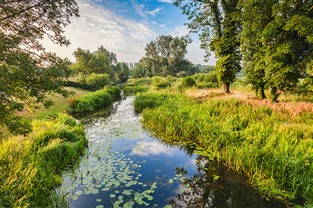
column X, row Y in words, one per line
column 164, row 56
column 161, row 82
column 26, row 77
column 218, row 23
column 206, row 80
column 97, row 81
column 277, row 44
column 115, row 93
column 274, row 148
column 150, row 100
column 188, row 82
column 17, row 125
column 94, row 101
column 100, row 61
column 31, row 166
column 122, row 72
column 134, row 89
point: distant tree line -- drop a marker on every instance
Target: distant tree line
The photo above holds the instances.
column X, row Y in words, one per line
column 271, row 40
column 98, row 68
column 165, row 56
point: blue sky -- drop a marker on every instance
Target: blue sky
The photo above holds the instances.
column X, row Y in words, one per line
column 125, row 27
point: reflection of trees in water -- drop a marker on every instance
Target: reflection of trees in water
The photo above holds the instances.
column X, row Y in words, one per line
column 216, row 186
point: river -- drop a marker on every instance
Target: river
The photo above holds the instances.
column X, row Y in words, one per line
column 126, row 166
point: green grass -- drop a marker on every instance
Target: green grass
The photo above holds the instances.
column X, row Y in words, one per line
column 31, row 166
column 95, row 101
column 60, row 105
column 273, row 148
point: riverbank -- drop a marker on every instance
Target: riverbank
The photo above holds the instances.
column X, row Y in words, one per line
column 274, row 148
column 31, row 165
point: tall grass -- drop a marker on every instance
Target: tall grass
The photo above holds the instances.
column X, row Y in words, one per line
column 30, row 167
column 93, row 101
column 273, row 148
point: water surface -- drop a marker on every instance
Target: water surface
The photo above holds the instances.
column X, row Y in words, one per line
column 126, row 166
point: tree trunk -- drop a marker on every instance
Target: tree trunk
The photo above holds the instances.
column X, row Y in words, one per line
column 275, row 94
column 226, row 86
column 262, row 92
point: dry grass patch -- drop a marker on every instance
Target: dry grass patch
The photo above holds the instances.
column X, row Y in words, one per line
column 291, row 107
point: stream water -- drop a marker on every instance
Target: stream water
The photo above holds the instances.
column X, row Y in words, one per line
column 126, row 166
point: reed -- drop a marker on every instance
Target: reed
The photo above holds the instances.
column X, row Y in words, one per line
column 274, row 148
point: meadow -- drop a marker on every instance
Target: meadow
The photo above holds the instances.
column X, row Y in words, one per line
column 273, row 146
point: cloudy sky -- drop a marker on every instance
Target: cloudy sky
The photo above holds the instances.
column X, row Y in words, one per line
column 125, row 27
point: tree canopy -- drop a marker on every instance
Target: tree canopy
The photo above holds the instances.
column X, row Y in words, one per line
column 218, row 24
column 164, row 56
column 27, row 71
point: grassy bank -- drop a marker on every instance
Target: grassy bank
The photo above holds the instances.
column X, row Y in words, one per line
column 94, row 101
column 274, row 148
column 31, row 166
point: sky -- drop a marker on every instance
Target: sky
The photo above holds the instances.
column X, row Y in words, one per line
column 125, row 27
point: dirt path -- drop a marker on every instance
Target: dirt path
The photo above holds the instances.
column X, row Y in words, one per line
column 291, row 107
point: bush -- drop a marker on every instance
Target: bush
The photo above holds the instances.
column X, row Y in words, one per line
column 115, row 92
column 188, row 82
column 161, row 82
column 206, row 80
column 91, row 102
column 31, row 166
column 134, row 89
column 98, row 81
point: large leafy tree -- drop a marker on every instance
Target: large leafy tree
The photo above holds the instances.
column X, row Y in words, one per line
column 218, row 23
column 288, row 43
column 122, row 72
column 100, row 61
column 165, row 54
column 256, row 15
column 276, row 43
column 27, row 71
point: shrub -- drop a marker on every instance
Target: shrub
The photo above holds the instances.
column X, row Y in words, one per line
column 91, row 101
column 188, row 82
column 206, row 80
column 134, row 89
column 31, row 166
column 115, row 92
column 161, row 82
column 98, row 81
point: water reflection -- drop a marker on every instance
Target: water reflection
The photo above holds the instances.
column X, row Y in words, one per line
column 216, row 186
column 126, row 166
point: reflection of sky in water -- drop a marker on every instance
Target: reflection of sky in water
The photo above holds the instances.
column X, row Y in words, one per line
column 126, row 166
column 147, row 148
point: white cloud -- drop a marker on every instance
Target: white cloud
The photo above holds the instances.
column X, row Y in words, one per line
column 152, row 148
column 99, row 26
column 154, row 12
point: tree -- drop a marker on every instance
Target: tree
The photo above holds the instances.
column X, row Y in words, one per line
column 100, row 61
column 288, row 43
column 218, row 23
column 277, row 39
column 256, row 15
column 27, row 71
column 121, row 72
column 165, row 54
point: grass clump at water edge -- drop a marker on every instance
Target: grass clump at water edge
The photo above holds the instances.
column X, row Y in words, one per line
column 30, row 167
column 273, row 148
